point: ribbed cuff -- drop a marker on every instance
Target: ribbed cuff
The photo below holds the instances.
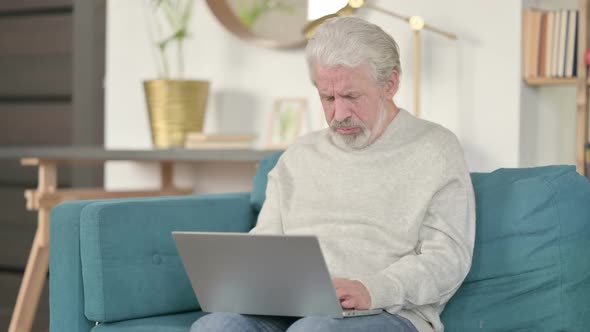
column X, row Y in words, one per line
column 384, row 291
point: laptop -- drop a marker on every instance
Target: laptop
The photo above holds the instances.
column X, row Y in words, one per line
column 276, row 275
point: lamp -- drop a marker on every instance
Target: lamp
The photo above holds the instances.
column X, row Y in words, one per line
column 416, row 23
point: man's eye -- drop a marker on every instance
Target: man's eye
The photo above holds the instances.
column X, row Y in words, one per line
column 329, row 98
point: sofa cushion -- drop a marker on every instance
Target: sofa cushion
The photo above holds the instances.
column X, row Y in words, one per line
column 530, row 266
column 168, row 323
column 261, row 179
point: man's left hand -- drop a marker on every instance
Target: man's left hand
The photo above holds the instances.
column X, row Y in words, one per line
column 352, row 294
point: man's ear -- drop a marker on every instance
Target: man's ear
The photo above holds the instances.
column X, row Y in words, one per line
column 392, row 85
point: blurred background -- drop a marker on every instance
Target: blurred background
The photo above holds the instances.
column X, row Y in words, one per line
column 52, row 55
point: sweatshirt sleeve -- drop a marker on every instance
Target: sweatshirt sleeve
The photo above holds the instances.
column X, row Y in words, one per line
column 269, row 219
column 443, row 256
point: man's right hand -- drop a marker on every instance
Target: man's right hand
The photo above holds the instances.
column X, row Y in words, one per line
column 352, row 294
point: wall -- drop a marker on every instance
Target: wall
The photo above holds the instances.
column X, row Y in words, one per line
column 471, row 86
column 548, row 126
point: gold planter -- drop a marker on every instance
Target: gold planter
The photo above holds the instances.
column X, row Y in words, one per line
column 175, row 108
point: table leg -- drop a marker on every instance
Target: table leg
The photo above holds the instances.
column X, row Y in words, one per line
column 33, row 280
column 38, row 263
column 167, row 175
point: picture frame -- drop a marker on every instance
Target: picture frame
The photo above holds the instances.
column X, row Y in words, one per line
column 285, row 122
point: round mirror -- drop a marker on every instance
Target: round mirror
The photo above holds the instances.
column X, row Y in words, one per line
column 271, row 23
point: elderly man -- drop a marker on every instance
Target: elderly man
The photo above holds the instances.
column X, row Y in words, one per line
column 388, row 196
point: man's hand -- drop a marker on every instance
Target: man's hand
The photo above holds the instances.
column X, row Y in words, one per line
column 352, row 294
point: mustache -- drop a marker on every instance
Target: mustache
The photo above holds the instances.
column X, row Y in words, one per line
column 335, row 124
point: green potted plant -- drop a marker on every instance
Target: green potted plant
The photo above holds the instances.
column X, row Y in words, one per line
column 176, row 105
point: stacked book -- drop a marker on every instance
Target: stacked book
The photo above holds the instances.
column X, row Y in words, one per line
column 196, row 140
column 550, row 43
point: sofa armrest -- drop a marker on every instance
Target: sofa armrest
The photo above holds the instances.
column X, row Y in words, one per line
column 129, row 264
column 66, row 295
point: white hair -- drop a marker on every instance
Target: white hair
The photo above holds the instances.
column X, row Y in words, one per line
column 351, row 42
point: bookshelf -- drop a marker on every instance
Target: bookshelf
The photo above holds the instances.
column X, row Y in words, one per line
column 543, row 81
column 581, row 81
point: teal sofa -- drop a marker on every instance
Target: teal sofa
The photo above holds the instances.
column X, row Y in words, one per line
column 115, row 262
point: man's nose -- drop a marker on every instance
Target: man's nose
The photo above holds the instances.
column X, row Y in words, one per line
column 341, row 110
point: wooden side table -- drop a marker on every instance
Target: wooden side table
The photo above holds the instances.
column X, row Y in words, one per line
column 47, row 195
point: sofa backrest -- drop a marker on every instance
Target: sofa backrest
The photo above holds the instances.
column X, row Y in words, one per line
column 530, row 266
column 260, row 180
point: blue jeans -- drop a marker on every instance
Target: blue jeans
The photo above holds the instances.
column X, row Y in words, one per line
column 228, row 322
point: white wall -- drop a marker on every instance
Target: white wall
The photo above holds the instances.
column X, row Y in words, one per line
column 472, row 86
column 548, row 133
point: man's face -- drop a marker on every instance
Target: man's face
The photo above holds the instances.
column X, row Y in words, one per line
column 353, row 104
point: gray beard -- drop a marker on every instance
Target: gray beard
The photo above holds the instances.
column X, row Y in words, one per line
column 357, row 141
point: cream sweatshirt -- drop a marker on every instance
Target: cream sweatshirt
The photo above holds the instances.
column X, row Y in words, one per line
column 398, row 215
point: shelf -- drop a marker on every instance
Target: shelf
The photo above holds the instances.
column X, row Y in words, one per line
column 541, row 81
column 533, row 32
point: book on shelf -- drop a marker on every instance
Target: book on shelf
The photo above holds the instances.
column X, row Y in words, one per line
column 560, row 66
column 556, row 42
column 555, row 46
column 548, row 54
column 549, row 43
column 542, row 65
column 572, row 44
column 535, row 43
column 219, row 141
column 527, row 26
